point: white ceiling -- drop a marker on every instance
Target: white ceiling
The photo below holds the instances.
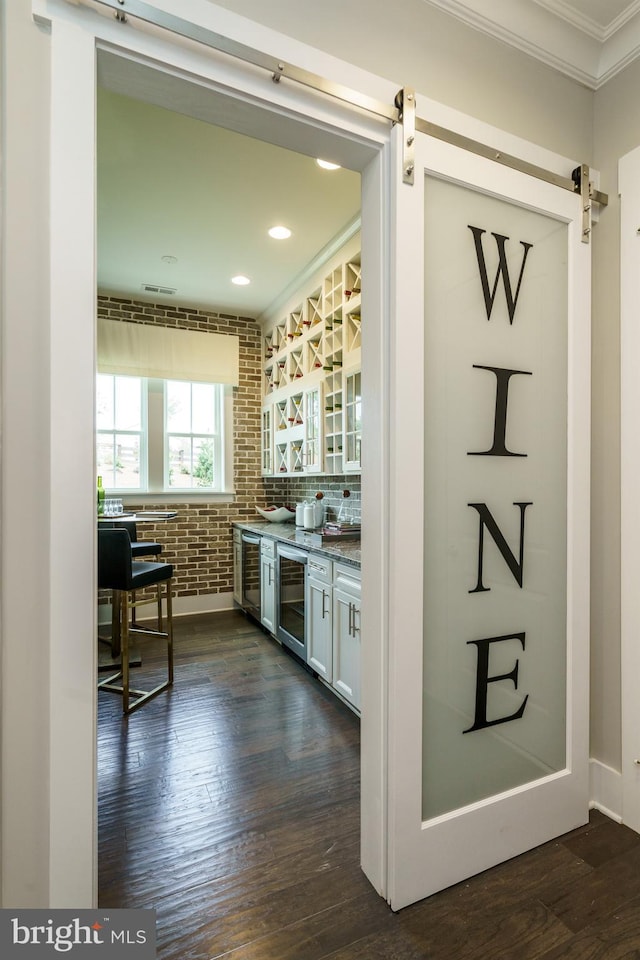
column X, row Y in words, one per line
column 172, row 185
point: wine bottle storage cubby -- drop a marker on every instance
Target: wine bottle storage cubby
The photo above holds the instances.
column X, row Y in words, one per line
column 352, row 275
column 295, row 411
column 314, row 354
column 289, row 457
column 280, row 412
column 333, row 287
column 313, row 310
column 352, row 340
column 295, row 457
column 282, row 458
column 269, row 378
column 294, row 325
column 296, row 365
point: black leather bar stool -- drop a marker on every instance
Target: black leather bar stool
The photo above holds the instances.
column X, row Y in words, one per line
column 118, row 572
column 140, row 549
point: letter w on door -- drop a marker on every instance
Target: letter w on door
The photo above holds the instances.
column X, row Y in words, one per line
column 502, row 271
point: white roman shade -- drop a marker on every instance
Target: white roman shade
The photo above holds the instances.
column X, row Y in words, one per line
column 147, row 350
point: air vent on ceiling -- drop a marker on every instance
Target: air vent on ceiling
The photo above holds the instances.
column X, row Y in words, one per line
column 154, row 288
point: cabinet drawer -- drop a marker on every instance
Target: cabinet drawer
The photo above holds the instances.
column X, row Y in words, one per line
column 347, row 578
column 267, row 547
column 320, row 568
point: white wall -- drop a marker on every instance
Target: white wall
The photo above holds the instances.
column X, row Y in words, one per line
column 616, row 132
column 24, row 471
column 413, row 44
column 442, row 59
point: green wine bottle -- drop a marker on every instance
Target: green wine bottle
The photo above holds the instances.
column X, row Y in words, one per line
column 100, row 497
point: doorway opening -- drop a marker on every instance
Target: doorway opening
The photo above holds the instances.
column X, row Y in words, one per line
column 130, row 201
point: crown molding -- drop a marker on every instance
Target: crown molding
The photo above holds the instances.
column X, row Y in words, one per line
column 555, row 33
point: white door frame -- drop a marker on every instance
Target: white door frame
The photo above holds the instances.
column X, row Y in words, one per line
column 356, row 140
column 629, row 189
column 74, row 31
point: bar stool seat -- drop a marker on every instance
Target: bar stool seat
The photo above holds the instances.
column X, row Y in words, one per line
column 120, row 573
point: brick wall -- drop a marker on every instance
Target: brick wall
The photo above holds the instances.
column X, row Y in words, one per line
column 199, row 541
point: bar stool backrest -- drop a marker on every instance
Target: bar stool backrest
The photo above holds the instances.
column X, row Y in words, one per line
column 114, row 559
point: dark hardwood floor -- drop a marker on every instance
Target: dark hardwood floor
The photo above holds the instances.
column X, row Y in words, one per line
column 231, row 806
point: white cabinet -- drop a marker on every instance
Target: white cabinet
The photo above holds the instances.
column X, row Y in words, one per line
column 268, row 583
column 332, row 612
column 237, row 565
column 319, row 616
column 346, row 633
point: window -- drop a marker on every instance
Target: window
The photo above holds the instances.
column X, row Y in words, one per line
column 120, row 424
column 193, row 448
column 159, row 436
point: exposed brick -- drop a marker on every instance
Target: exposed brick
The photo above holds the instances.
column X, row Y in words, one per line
column 207, row 527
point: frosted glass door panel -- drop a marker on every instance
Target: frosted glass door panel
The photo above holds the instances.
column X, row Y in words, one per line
column 495, row 430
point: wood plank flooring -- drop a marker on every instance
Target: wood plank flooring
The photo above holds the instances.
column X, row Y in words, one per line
column 231, row 806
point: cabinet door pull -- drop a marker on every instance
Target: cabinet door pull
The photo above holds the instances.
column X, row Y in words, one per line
column 324, row 597
column 350, row 628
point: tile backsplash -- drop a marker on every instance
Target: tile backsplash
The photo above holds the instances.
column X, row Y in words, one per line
column 295, row 489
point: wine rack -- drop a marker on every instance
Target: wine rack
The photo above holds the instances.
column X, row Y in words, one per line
column 312, row 404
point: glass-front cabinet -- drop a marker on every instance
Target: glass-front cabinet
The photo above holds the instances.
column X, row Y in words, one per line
column 267, row 441
column 313, row 421
column 352, row 421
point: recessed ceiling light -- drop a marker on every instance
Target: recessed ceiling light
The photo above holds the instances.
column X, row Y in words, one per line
column 240, row 280
column 280, row 233
column 168, row 258
column 326, row 165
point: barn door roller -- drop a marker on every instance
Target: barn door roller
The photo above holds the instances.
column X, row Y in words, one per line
column 579, row 182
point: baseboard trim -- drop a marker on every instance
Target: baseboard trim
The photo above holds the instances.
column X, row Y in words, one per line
column 182, row 606
column 202, row 603
column 605, row 790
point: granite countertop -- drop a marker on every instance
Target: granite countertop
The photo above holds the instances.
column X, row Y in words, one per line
column 347, row 552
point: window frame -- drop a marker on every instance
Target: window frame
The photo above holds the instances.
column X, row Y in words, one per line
column 217, row 437
column 115, row 431
column 154, row 467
